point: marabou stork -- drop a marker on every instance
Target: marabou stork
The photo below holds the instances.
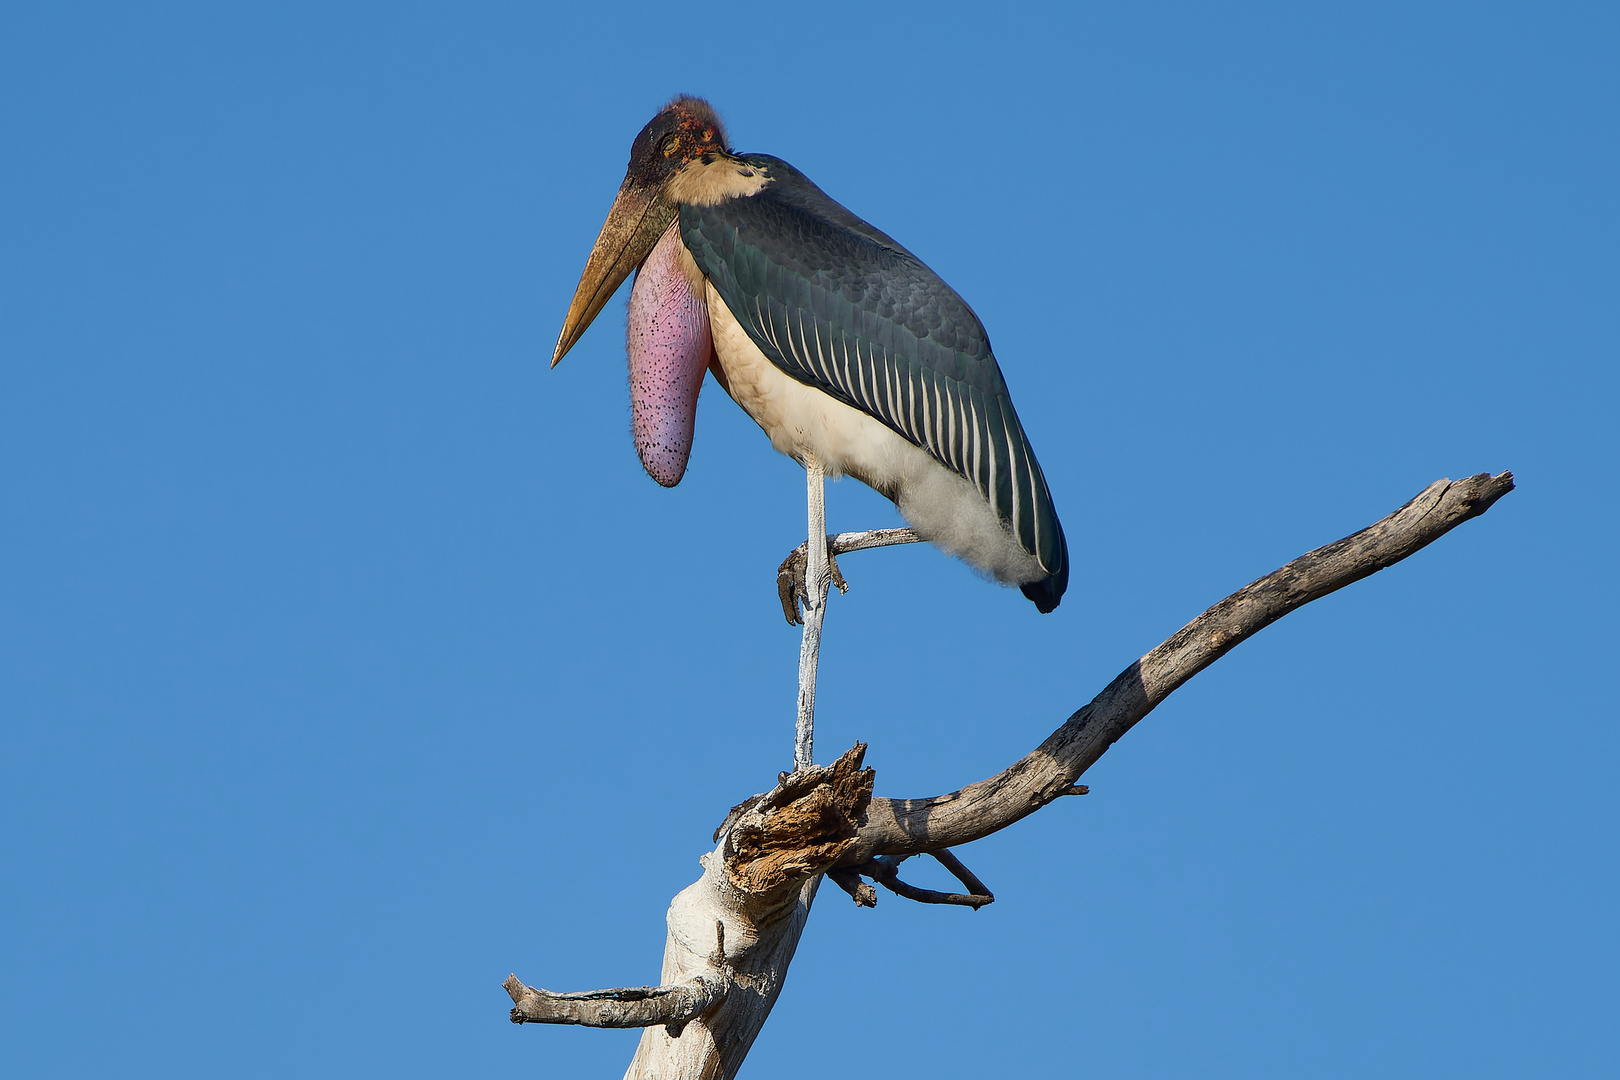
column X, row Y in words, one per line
column 850, row 353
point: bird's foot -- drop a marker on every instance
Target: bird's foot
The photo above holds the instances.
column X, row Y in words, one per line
column 837, row 576
column 790, row 584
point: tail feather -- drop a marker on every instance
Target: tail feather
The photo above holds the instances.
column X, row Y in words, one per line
column 1047, row 593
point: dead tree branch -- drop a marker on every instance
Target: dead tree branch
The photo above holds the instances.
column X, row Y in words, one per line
column 761, row 878
column 626, row 1007
column 885, row 870
column 913, row 826
column 732, row 933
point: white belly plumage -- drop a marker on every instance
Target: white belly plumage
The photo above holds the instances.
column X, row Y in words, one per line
column 945, row 509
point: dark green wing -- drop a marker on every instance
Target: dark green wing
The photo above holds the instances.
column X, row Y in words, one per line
column 838, row 305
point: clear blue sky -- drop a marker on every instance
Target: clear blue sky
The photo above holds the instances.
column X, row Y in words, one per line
column 349, row 661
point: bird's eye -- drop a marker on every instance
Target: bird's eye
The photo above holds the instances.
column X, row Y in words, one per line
column 670, row 144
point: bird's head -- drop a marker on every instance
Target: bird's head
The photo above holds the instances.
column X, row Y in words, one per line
column 685, row 131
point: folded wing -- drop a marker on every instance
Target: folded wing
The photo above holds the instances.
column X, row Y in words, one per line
column 840, row 306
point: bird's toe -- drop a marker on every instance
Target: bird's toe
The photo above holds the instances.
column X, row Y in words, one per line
column 790, row 584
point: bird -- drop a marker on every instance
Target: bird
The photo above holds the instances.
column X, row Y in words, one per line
column 850, row 354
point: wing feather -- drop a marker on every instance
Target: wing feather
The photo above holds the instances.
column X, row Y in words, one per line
column 840, row 306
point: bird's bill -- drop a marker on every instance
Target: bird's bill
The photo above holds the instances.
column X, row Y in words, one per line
column 638, row 218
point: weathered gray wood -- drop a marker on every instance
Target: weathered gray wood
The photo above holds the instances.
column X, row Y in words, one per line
column 885, row 870
column 759, row 883
column 625, row 1007
column 912, row 826
column 733, row 932
column 871, row 538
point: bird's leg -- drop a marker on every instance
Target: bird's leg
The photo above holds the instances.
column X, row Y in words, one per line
column 790, row 576
column 817, row 579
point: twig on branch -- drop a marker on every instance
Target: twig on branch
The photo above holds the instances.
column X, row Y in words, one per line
column 913, row 826
column 773, row 848
column 850, row 881
column 629, row 1006
column 624, row 1007
column 870, row 538
column 885, row 871
column 967, row 877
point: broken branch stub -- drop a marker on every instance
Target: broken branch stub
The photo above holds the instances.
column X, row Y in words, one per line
column 759, row 882
column 736, row 927
column 802, row 827
column 885, row 870
column 731, row 933
column 625, row 1007
column 914, row 826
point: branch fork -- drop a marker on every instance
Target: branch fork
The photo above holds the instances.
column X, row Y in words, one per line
column 754, row 897
column 885, row 870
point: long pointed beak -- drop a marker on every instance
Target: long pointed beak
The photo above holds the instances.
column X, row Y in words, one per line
column 638, row 218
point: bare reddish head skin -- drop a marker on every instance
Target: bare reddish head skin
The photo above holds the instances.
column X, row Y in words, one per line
column 669, row 348
column 684, row 130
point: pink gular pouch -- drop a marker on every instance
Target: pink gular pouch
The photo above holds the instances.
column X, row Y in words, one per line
column 669, row 348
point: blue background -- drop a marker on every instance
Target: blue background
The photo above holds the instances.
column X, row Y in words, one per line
column 349, row 661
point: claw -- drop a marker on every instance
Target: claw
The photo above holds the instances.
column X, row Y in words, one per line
column 837, row 575
column 790, row 586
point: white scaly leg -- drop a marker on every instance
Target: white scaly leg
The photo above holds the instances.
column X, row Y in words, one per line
column 817, row 580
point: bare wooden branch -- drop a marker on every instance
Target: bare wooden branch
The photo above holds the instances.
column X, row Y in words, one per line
column 912, row 826
column 850, row 881
column 758, row 883
column 772, row 849
column 871, row 538
column 967, row 877
column 625, row 1007
column 885, row 871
